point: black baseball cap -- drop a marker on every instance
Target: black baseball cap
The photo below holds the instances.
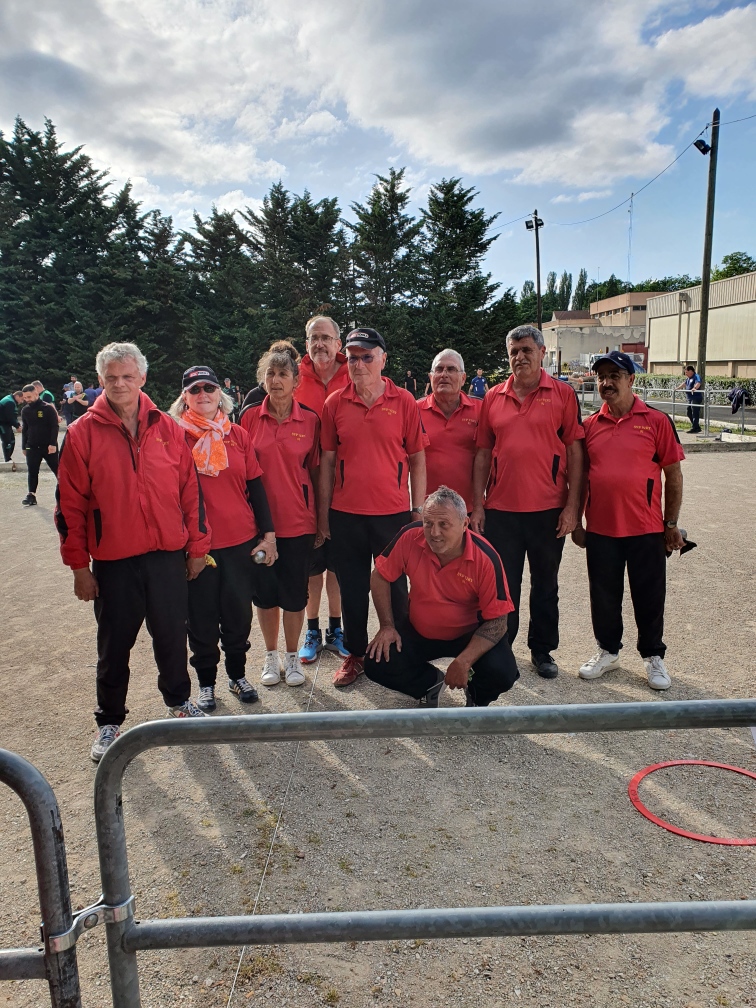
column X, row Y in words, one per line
column 616, row 357
column 193, row 375
column 368, row 339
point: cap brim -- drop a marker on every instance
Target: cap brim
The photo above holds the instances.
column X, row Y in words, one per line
column 366, row 344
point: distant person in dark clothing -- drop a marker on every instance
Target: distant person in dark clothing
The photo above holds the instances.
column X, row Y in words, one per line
column 79, row 403
column 9, row 423
column 253, row 398
column 91, row 393
column 478, row 385
column 692, row 384
column 410, row 383
column 39, row 439
column 44, row 394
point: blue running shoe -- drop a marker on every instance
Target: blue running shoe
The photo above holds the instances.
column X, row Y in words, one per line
column 335, row 642
column 313, row 645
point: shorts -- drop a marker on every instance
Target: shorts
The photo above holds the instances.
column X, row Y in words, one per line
column 322, row 559
column 284, row 585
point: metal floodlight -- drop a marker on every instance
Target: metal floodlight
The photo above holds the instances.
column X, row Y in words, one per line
column 529, row 224
column 702, row 146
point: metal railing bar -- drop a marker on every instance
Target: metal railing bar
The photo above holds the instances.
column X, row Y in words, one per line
column 51, row 869
column 22, row 964
column 462, row 922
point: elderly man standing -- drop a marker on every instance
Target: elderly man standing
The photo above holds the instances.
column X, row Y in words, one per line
column 373, row 451
column 450, row 419
column 458, row 606
column 529, row 465
column 322, row 370
column 129, row 497
column 629, row 445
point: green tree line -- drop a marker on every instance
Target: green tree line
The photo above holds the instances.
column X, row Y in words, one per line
column 81, row 266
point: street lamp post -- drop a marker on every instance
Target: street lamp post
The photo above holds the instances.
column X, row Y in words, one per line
column 533, row 225
column 703, row 324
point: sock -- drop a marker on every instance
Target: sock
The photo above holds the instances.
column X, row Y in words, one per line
column 313, row 624
column 334, row 622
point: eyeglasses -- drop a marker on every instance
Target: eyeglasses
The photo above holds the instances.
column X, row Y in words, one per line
column 208, row 389
column 321, row 339
column 448, row 370
column 366, row 359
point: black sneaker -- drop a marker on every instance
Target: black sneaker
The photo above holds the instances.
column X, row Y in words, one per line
column 243, row 689
column 544, row 665
column 206, row 698
column 29, row 501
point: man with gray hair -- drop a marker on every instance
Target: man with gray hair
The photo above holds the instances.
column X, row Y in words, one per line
column 527, row 483
column 129, row 498
column 458, row 606
column 450, row 419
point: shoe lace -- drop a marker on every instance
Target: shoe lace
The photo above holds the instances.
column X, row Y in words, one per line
column 206, row 692
column 243, row 684
column 311, row 636
column 108, row 733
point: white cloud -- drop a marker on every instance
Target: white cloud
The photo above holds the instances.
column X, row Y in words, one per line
column 317, row 124
column 581, row 197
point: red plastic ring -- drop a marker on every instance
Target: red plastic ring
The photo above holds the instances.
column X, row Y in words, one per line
column 632, row 790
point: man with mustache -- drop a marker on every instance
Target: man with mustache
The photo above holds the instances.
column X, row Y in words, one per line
column 529, row 466
column 629, row 444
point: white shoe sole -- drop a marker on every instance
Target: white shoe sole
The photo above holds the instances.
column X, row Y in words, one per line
column 268, row 679
column 591, row 673
column 660, row 685
column 295, row 679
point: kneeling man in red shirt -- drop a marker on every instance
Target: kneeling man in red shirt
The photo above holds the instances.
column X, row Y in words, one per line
column 458, row 607
column 628, row 445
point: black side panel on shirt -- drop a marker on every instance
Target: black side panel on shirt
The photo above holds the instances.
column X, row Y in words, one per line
column 398, row 536
column 649, row 491
column 498, row 566
column 399, row 469
column 555, row 468
column 60, row 519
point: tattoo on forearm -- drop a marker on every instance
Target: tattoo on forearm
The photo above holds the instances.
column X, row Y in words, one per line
column 493, row 630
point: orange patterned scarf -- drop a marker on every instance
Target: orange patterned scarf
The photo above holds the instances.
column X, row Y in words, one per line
column 210, row 455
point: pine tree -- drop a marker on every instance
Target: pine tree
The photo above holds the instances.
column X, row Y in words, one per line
column 527, row 308
column 580, row 300
column 564, row 291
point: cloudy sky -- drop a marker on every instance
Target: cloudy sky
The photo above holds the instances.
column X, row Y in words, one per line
column 563, row 105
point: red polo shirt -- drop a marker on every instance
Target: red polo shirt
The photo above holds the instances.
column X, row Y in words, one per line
column 529, row 441
column 287, row 451
column 372, row 448
column 449, row 457
column 447, row 602
column 229, row 515
column 625, row 460
column 311, row 391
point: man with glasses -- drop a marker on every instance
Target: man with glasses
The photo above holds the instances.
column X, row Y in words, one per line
column 450, row 419
column 373, row 453
column 322, row 370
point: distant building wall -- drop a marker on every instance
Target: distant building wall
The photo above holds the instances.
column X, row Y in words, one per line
column 573, row 341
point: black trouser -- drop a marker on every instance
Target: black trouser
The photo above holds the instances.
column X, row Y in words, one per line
column 151, row 586
column 515, row 535
column 34, row 458
column 694, row 410
column 409, row 670
column 356, row 540
column 8, row 438
column 220, row 609
column 645, row 558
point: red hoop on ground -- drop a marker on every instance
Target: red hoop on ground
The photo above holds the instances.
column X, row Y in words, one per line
column 632, row 790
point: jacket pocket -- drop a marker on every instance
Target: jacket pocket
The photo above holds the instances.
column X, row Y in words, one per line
column 97, row 517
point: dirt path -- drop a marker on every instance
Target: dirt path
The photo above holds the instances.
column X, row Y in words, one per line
column 404, row 823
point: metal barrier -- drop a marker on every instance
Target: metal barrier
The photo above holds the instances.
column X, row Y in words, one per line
column 126, row 936
column 677, row 398
column 56, row 960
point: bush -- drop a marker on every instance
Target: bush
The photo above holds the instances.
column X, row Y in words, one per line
column 720, row 385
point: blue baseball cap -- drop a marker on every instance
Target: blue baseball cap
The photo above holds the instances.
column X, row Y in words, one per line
column 622, row 361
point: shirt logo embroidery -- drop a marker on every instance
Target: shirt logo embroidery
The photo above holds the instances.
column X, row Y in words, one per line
column 543, row 401
column 385, row 409
column 465, row 577
column 470, row 420
column 297, row 435
column 640, row 427
column 160, row 440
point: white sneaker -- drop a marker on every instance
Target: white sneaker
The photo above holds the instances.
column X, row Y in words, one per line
column 106, row 736
column 658, row 677
column 292, row 669
column 602, row 661
column 271, row 673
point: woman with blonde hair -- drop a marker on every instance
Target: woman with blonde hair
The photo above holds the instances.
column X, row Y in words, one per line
column 220, row 599
column 286, row 437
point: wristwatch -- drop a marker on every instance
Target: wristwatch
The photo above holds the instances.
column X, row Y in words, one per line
column 417, row 510
column 671, row 524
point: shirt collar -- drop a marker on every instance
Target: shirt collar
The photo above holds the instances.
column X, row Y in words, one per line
column 429, row 402
column 545, row 381
column 390, row 391
column 295, row 415
column 638, row 407
column 466, row 554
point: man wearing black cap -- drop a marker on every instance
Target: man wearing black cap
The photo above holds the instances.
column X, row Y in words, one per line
column 373, row 454
column 629, row 444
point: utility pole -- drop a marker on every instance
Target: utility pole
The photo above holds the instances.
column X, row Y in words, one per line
column 533, row 225
column 703, row 324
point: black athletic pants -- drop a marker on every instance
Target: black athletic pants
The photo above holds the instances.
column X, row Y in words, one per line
column 694, row 410
column 515, row 535
column 8, row 438
column 409, row 670
column 645, row 557
column 357, row 539
column 220, row 609
column 34, row 458
column 151, row 586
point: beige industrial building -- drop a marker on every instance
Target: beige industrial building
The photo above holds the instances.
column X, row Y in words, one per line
column 623, row 310
column 672, row 328
column 572, row 336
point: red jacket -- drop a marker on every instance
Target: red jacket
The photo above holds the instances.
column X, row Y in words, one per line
column 119, row 497
column 311, row 391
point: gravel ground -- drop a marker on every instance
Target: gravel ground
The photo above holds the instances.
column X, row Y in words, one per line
column 404, row 823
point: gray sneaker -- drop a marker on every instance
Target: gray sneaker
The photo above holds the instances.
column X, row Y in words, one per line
column 206, row 698
column 106, row 736
column 186, row 709
column 432, row 696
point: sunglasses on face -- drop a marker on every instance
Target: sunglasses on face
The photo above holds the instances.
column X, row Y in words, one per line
column 208, row 389
column 366, row 359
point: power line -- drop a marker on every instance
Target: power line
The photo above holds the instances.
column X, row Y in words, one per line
column 731, row 121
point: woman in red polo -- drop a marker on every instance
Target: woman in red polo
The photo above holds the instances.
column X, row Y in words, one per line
column 220, row 598
column 286, row 436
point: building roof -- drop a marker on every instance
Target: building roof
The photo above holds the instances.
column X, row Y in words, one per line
column 562, row 316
